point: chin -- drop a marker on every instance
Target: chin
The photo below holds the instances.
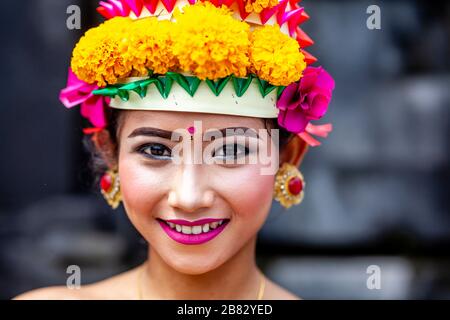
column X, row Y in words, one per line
column 193, row 264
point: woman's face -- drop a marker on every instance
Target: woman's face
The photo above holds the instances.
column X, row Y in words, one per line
column 161, row 196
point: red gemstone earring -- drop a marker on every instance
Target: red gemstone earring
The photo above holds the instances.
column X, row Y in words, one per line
column 289, row 185
column 110, row 188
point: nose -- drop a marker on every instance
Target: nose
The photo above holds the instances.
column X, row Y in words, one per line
column 190, row 190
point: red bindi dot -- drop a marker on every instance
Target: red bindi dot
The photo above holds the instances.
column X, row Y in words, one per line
column 295, row 185
column 191, row 130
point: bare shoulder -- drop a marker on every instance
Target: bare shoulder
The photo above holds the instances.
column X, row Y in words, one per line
column 275, row 292
column 113, row 288
column 50, row 293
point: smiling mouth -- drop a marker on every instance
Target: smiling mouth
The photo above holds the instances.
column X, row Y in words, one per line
column 193, row 232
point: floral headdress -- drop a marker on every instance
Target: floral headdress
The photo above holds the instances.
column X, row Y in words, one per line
column 237, row 57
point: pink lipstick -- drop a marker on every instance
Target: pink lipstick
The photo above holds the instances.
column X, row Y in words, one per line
column 193, row 232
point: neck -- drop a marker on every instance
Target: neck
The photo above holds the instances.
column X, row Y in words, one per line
column 237, row 278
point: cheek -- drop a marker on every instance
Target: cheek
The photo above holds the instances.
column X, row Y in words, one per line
column 249, row 189
column 141, row 187
column 249, row 193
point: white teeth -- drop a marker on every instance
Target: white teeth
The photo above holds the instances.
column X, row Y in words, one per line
column 186, row 229
column 214, row 224
column 196, row 229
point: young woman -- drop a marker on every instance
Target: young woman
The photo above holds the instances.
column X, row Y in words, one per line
column 176, row 145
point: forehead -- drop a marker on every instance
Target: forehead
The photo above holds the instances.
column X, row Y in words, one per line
column 171, row 120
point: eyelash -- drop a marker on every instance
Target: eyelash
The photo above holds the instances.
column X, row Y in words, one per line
column 144, row 147
column 224, row 148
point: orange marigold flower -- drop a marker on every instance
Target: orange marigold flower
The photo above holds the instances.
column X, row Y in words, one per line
column 209, row 42
column 258, row 5
column 149, row 46
column 275, row 56
column 97, row 57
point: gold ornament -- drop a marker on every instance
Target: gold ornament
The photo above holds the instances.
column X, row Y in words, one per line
column 289, row 185
column 110, row 188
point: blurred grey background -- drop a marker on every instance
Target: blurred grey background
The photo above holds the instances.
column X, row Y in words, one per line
column 377, row 189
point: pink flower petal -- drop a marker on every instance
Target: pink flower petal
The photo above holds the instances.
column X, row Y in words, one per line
column 293, row 120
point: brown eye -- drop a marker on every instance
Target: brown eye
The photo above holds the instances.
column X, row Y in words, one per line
column 231, row 151
column 156, row 151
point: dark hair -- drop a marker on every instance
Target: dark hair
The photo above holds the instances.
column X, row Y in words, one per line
column 98, row 165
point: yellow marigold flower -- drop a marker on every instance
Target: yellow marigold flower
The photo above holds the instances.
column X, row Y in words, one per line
column 276, row 57
column 149, row 46
column 258, row 5
column 209, row 42
column 97, row 57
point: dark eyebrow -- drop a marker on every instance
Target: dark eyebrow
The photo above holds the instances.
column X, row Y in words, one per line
column 151, row 132
column 231, row 131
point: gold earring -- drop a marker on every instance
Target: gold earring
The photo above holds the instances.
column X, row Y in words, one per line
column 110, row 188
column 289, row 185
